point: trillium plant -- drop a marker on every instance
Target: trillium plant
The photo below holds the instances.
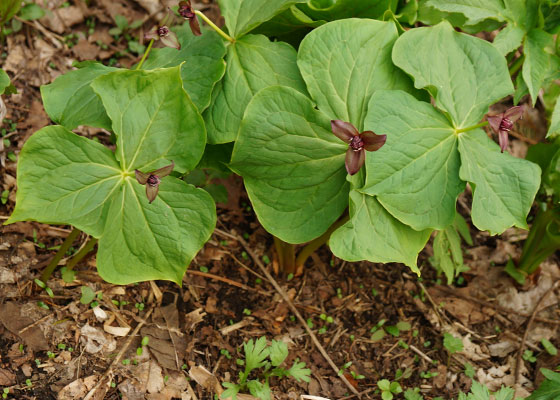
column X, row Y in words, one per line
column 349, row 126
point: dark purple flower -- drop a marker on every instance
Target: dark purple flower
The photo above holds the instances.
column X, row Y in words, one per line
column 186, row 11
column 502, row 124
column 167, row 37
column 153, row 179
column 358, row 143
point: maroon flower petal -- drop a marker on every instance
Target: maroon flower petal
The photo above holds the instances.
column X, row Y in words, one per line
column 141, row 177
column 354, row 160
column 503, row 139
column 151, row 192
column 195, row 27
column 171, row 40
column 373, row 142
column 164, row 171
column 152, row 34
column 345, row 131
column 495, row 121
column 514, row 113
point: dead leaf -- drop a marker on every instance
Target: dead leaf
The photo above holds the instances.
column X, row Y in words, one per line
column 7, row 377
column 16, row 317
column 206, row 379
column 95, row 340
column 77, row 389
column 85, row 50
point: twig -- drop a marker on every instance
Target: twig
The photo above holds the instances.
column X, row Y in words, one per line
column 54, row 38
column 360, row 394
column 533, row 315
column 91, row 395
column 420, row 353
column 226, row 280
column 291, row 306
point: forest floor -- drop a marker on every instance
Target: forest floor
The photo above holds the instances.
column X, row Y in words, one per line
column 374, row 321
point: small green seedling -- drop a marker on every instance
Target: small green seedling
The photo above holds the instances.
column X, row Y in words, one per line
column 528, row 356
column 389, row 389
column 268, row 358
column 87, row 295
column 413, row 394
column 549, row 347
column 452, row 344
column 469, row 370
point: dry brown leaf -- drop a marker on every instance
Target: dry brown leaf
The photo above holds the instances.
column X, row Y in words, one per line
column 16, row 317
column 77, row 389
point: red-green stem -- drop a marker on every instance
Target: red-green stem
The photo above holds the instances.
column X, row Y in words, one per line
column 59, row 254
column 145, row 54
column 312, row 246
column 81, row 254
column 286, row 256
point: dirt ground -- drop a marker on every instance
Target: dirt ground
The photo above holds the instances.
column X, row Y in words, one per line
column 58, row 348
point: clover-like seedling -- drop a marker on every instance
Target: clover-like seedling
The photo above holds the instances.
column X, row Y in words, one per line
column 389, row 389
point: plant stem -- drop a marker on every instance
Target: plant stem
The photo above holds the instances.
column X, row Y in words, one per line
column 312, row 246
column 215, row 27
column 517, row 64
column 81, row 254
column 145, row 54
column 59, row 254
column 470, row 128
column 286, row 256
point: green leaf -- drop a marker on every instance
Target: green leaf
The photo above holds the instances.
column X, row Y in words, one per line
column 505, row 393
column 549, row 347
column 475, row 10
column 429, row 15
column 255, row 353
column 375, row 235
column 244, row 15
column 259, row 390
column 9, row 8
column 87, row 295
column 65, row 178
column 253, row 63
column 6, row 86
column 448, row 256
column 292, row 165
column 203, row 62
column 451, row 343
column 554, row 128
column 232, row 390
column 415, row 175
column 158, row 240
column 278, row 352
column 330, row 10
column 461, row 226
column 31, row 12
column 548, row 390
column 537, row 60
column 503, row 186
column 465, row 76
column 345, row 62
column 70, row 101
column 299, row 372
column 154, row 123
column 509, row 39
column 384, row 385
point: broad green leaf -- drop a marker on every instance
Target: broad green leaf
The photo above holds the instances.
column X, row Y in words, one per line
column 244, row 15
column 554, row 128
column 463, row 73
column 475, row 10
column 345, row 62
column 415, row 175
column 330, row 10
column 549, row 388
column 154, row 123
column 292, row 165
column 70, row 101
column 290, row 26
column 253, row 63
column 65, row 178
column 202, row 62
column 374, row 235
column 430, row 15
column 9, row 8
column 537, row 60
column 6, row 86
column 503, row 186
column 154, row 241
column 31, row 11
column 551, row 14
column 509, row 39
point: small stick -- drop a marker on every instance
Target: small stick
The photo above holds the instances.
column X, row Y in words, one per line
column 522, row 345
column 420, row 353
column 226, row 280
column 291, row 306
